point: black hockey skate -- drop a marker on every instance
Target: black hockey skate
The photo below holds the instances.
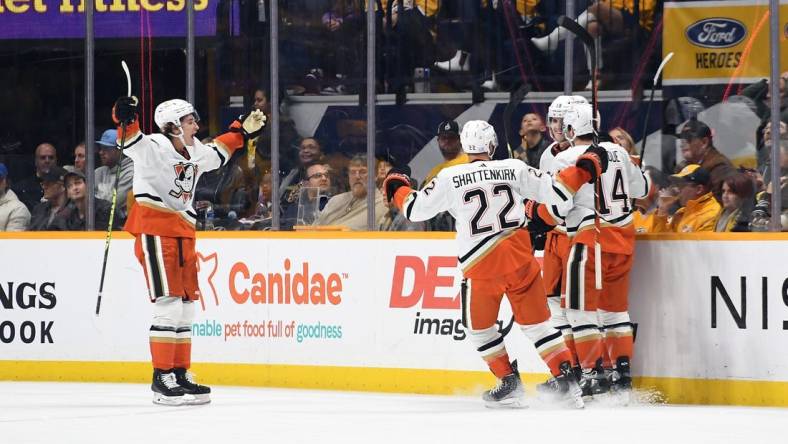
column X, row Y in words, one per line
column 594, row 382
column 563, row 387
column 508, row 393
column 199, row 394
column 166, row 390
column 620, row 378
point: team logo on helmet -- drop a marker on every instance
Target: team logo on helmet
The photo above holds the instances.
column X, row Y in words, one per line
column 185, row 174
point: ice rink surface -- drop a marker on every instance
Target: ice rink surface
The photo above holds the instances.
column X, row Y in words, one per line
column 123, row 413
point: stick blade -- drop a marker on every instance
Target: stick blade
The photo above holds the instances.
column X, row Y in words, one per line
column 575, row 28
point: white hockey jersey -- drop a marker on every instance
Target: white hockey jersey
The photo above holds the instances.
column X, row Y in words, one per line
column 547, row 165
column 622, row 182
column 165, row 181
column 486, row 200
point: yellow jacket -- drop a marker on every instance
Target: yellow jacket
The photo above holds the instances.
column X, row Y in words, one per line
column 644, row 223
column 698, row 215
column 460, row 159
column 646, row 11
column 730, row 223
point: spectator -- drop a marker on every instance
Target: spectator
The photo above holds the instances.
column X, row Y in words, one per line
column 761, row 94
column 309, row 151
column 615, row 18
column 698, row 207
column 737, row 203
column 697, row 148
column 54, row 201
column 79, row 159
column 350, row 209
column 106, row 174
column 763, row 209
column 384, row 166
column 72, row 217
column 259, row 150
column 532, row 140
column 313, row 193
column 29, row 189
column 621, row 136
column 451, row 150
column 14, row 215
column 764, row 148
column 449, row 145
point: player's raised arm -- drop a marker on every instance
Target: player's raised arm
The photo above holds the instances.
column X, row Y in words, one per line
column 415, row 205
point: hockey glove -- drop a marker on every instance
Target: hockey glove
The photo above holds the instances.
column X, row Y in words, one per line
column 395, row 179
column 594, row 161
column 125, row 110
column 250, row 126
column 536, row 225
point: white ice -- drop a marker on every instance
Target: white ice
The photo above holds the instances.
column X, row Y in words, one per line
column 123, row 413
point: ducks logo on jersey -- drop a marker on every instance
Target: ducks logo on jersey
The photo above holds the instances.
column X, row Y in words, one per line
column 185, row 173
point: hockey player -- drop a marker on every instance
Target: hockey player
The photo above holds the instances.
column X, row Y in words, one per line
column 167, row 167
column 485, row 197
column 556, row 248
column 618, row 185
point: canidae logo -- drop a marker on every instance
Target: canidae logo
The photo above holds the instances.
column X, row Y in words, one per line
column 301, row 286
column 298, row 287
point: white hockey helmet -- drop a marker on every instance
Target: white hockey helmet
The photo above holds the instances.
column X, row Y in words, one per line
column 172, row 111
column 558, row 108
column 579, row 119
column 478, row 137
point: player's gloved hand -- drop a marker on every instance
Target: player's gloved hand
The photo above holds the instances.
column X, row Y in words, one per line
column 536, row 224
column 594, row 161
column 125, row 110
column 396, row 178
column 250, row 125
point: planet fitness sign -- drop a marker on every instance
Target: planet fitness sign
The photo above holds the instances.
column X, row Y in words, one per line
column 55, row 19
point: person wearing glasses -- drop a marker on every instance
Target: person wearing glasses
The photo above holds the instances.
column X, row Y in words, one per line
column 29, row 189
column 311, row 197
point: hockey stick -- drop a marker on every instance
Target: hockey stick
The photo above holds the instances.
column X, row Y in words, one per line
column 587, row 40
column 648, row 107
column 515, row 98
column 114, row 194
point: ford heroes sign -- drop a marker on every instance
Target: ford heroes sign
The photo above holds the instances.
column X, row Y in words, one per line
column 716, row 33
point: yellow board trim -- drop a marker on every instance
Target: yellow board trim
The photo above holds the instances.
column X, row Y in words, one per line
column 387, row 380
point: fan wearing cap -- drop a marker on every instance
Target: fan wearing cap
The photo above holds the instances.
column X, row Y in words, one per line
column 697, row 147
column 52, row 203
column 698, row 208
column 449, row 145
column 167, row 167
column 14, row 215
column 107, row 173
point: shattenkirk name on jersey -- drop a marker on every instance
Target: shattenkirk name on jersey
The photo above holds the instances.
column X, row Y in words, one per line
column 461, row 180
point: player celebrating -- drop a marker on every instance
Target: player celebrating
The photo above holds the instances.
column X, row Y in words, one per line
column 167, row 167
column 485, row 197
column 617, row 186
column 556, row 249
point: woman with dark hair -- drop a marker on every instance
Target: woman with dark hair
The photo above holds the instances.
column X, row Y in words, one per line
column 737, row 202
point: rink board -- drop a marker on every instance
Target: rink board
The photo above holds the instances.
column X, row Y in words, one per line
column 380, row 312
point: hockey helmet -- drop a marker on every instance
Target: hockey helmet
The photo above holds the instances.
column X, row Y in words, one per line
column 172, row 111
column 558, row 109
column 579, row 118
column 478, row 137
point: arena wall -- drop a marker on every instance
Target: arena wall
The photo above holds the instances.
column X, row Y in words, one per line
column 380, row 312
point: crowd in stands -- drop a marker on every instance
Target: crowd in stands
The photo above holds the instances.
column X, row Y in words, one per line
column 436, row 45
column 705, row 191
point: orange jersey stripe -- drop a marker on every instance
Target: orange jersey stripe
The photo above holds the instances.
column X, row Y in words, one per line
column 149, row 219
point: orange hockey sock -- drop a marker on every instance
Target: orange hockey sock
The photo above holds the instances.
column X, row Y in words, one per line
column 499, row 365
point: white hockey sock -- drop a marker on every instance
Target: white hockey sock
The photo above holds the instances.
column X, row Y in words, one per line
column 550, row 41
